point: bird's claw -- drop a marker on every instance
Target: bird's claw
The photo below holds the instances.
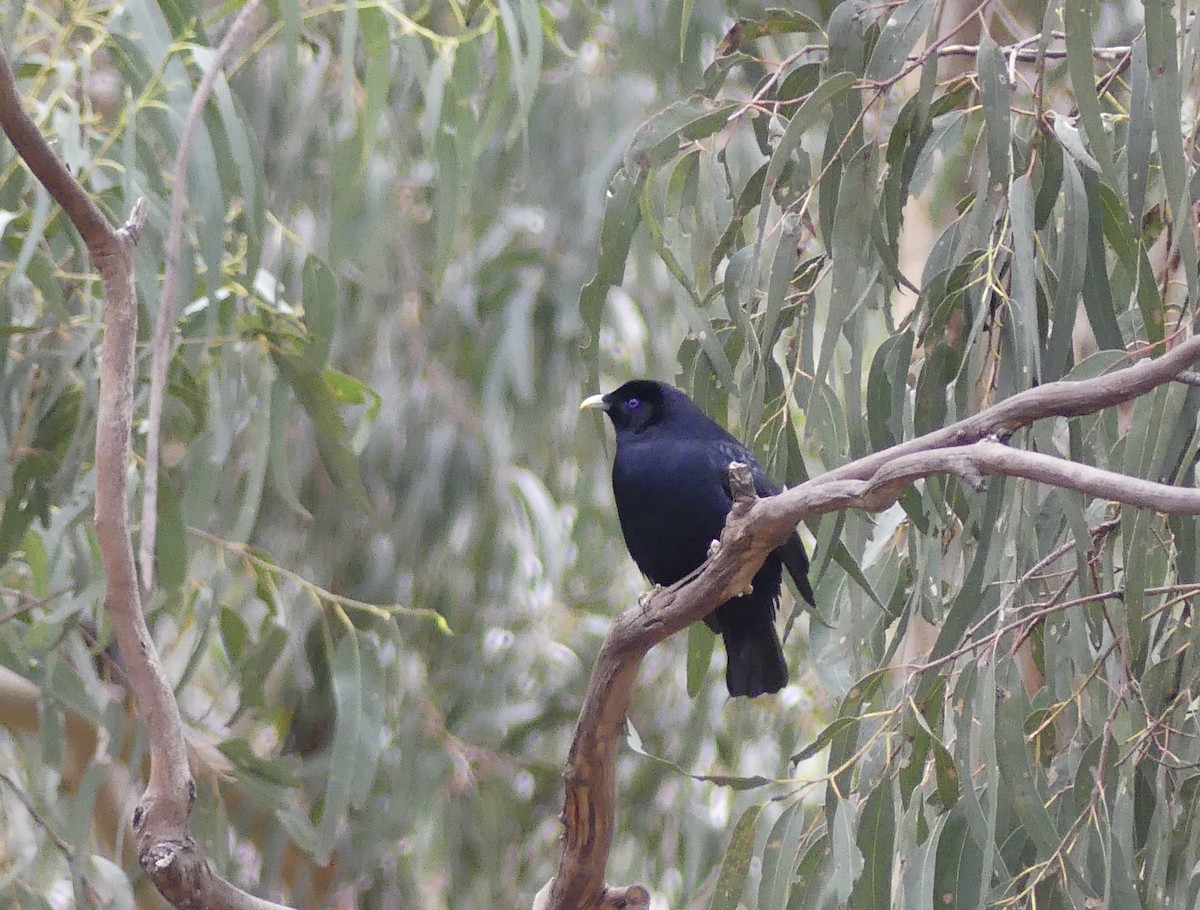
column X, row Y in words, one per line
column 714, row 547
column 645, row 596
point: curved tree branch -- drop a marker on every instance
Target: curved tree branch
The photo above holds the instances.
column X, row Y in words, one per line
column 166, row 850
column 165, row 318
column 755, row 527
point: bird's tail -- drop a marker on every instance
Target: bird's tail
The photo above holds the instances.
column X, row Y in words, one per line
column 754, row 660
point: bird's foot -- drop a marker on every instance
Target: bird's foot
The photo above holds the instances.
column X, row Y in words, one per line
column 714, row 547
column 749, row 590
column 645, row 596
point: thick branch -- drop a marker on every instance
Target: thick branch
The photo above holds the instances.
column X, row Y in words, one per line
column 1065, row 398
column 589, row 806
column 170, row 290
column 47, row 167
column 756, row 527
column 166, row 850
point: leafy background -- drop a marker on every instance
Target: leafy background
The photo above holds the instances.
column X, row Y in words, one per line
column 387, row 549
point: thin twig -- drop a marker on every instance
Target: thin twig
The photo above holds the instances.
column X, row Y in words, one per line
column 379, row 612
column 165, row 318
column 1027, row 54
column 41, row 821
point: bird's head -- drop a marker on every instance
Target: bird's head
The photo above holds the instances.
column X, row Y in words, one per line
column 640, row 404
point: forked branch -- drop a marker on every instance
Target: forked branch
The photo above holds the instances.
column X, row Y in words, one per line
column 969, row 449
column 166, row 850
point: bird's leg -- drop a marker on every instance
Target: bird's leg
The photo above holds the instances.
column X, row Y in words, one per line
column 714, row 547
column 645, row 596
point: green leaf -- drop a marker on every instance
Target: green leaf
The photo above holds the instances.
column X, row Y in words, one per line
column 621, row 217
column 876, row 836
column 887, row 388
column 1049, row 170
column 317, row 398
column 824, row 738
column 234, row 633
column 778, row 21
column 1132, row 255
column 278, row 771
column 116, row 887
column 1077, row 24
column 844, row 741
column 659, row 138
column 1019, row 776
column 1071, row 272
column 802, row 121
column 280, row 449
column 853, row 272
column 719, row 780
column 1024, row 284
column 945, row 770
column 349, row 390
column 346, row 678
column 899, row 36
column 371, row 727
column 780, row 855
column 848, row 862
column 958, row 871
column 249, row 172
column 691, row 305
column 1097, row 290
column 1166, row 93
column 255, row 437
column 731, row 880
column 1149, row 432
column 258, row 666
column 170, row 546
column 1140, row 134
column 36, row 558
column 946, row 775
column 685, row 18
column 783, row 265
column 970, row 600
column 700, row 643
column 750, row 196
column 320, row 314
column 33, row 236
column 811, row 877
column 993, row 86
column 841, row 555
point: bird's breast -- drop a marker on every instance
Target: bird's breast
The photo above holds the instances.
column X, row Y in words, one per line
column 671, row 505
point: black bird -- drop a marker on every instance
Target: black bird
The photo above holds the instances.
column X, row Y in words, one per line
column 671, row 485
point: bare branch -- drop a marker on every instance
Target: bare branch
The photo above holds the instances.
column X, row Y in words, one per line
column 47, row 167
column 165, row 318
column 1065, row 398
column 42, row 823
column 1026, row 54
column 755, row 527
column 166, row 851
column 1021, row 50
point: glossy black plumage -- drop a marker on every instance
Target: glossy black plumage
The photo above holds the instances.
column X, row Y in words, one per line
column 671, row 485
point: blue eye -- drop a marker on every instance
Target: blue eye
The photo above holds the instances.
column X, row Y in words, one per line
column 633, row 404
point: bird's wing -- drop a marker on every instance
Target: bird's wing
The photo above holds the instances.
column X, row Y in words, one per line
column 724, row 450
column 794, row 556
column 796, row 560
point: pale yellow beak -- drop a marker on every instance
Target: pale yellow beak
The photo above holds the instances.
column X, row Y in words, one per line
column 595, row 401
